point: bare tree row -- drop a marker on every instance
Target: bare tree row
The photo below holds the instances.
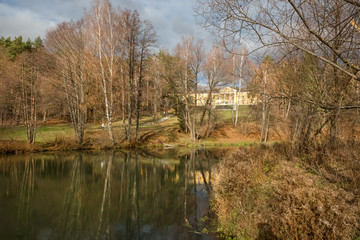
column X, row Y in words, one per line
column 106, row 51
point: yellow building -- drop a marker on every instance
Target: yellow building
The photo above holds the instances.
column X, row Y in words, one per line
column 226, row 96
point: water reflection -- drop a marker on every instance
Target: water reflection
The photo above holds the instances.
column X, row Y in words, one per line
column 108, row 195
column 26, row 199
column 71, row 217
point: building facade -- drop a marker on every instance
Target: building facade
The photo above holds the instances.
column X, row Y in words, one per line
column 226, row 96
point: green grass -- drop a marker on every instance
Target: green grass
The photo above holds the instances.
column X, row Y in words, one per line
column 44, row 133
column 50, row 132
column 225, row 116
column 47, row 133
column 12, row 133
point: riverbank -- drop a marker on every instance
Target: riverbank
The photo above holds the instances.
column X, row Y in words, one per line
column 163, row 133
column 269, row 192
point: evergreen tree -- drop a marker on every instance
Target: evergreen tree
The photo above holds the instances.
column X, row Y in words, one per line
column 7, row 42
column 16, row 47
column 38, row 42
column 2, row 41
column 28, row 45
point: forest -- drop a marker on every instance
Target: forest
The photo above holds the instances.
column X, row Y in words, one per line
column 106, row 68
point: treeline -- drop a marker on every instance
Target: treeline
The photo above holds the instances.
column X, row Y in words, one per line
column 18, row 46
column 106, row 67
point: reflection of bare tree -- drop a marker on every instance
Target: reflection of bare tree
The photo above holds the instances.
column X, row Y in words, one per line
column 105, row 226
column 206, row 184
column 11, row 183
column 136, row 196
column 72, row 215
column 199, row 173
column 186, row 176
column 128, row 208
column 133, row 223
column 13, row 173
column 122, row 179
column 209, row 158
column 193, row 161
column 26, row 199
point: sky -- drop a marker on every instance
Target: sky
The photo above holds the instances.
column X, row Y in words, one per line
column 172, row 19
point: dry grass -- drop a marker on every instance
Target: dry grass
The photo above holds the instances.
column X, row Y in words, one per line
column 11, row 146
column 265, row 193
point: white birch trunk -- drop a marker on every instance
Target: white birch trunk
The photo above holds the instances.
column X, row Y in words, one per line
column 240, row 82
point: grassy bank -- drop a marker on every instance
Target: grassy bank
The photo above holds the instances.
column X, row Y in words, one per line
column 267, row 192
column 59, row 136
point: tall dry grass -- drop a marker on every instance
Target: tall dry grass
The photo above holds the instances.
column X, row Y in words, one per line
column 269, row 193
column 12, row 146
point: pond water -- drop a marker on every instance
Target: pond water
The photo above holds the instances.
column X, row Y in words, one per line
column 106, row 195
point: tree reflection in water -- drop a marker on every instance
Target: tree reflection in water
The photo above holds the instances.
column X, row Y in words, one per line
column 25, row 207
column 107, row 195
column 106, row 198
column 72, row 214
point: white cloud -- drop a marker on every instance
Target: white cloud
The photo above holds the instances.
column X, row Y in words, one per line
column 172, row 19
column 16, row 22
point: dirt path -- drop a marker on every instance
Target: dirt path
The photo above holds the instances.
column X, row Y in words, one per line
column 158, row 121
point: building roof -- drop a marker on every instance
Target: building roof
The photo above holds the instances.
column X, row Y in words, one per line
column 227, row 90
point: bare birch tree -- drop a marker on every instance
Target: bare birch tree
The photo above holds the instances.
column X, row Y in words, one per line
column 238, row 62
column 184, row 53
column 102, row 23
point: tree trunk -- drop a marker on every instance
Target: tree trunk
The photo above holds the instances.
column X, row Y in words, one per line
column 29, row 98
column 44, row 116
column 123, row 95
column 240, row 83
column 130, row 85
column 138, row 95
